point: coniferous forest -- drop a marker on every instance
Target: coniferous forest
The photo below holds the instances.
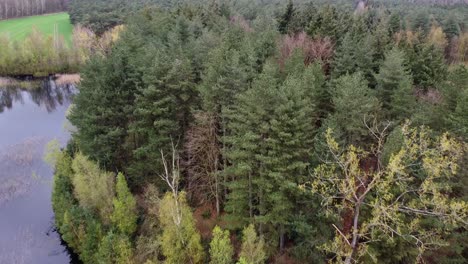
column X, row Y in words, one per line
column 269, row 132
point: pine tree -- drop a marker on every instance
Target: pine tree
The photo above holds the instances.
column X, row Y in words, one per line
column 161, row 110
column 270, row 145
column 103, row 106
column 394, row 85
column 252, row 250
column 124, row 216
column 221, row 250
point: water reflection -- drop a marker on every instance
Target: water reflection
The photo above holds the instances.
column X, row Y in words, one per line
column 44, row 93
column 31, row 114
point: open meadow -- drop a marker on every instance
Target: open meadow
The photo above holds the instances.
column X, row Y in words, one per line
column 20, row 28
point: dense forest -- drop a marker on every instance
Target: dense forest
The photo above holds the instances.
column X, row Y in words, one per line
column 21, row 8
column 269, row 132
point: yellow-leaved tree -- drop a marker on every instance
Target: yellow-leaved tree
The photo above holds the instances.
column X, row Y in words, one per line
column 377, row 202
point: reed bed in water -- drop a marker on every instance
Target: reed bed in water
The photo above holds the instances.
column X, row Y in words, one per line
column 7, row 82
column 64, row 79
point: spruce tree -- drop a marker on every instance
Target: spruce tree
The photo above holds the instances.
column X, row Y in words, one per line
column 354, row 101
column 355, row 54
column 427, row 65
column 394, row 24
column 394, row 85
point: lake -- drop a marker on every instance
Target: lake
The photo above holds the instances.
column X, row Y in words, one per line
column 29, row 119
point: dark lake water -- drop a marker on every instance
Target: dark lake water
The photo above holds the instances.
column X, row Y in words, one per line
column 29, row 119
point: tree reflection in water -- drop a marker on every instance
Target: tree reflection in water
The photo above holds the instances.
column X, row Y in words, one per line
column 45, row 93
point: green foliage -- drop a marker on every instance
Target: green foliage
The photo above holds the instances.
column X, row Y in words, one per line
column 252, row 249
column 62, row 189
column 93, row 188
column 421, row 22
column 103, row 106
column 124, row 216
column 392, row 145
column 269, row 150
column 355, row 54
column 52, row 152
column 221, row 250
column 427, row 65
column 38, row 55
column 180, row 239
column 285, row 19
column 329, row 22
column 394, row 23
column 115, row 248
column 408, row 194
column 208, row 76
column 354, row 103
column 394, row 86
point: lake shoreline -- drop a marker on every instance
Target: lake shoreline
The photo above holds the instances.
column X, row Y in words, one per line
column 31, row 82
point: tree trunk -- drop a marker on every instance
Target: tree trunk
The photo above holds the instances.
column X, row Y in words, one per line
column 354, row 242
column 281, row 238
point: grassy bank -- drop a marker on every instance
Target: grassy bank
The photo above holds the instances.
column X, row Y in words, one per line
column 19, row 28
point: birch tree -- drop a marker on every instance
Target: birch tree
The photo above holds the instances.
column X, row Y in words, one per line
column 398, row 199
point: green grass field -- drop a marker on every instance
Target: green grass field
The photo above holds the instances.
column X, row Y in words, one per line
column 19, row 28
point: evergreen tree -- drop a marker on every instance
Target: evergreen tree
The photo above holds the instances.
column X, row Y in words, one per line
column 103, row 106
column 221, row 250
column 252, row 250
column 427, row 65
column 163, row 103
column 329, row 23
column 421, row 23
column 355, row 54
column 459, row 118
column 285, row 19
column 394, row 85
column 451, row 28
column 354, row 101
column 280, row 127
column 124, row 216
column 394, row 25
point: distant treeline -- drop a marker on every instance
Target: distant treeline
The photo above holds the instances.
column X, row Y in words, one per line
column 100, row 15
column 21, row 8
column 41, row 55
